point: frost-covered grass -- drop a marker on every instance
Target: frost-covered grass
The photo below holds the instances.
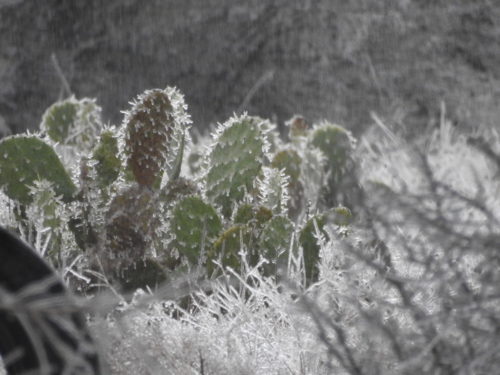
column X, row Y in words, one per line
column 412, row 286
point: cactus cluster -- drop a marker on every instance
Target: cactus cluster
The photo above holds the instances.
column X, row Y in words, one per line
column 137, row 215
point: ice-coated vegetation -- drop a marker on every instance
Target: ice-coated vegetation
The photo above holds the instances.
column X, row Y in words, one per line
column 243, row 253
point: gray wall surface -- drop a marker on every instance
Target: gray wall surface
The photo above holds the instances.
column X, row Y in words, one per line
column 328, row 59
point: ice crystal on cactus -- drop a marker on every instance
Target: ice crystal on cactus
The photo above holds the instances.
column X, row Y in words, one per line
column 235, row 160
column 25, row 159
column 73, row 122
column 155, row 133
column 273, row 190
column 290, row 162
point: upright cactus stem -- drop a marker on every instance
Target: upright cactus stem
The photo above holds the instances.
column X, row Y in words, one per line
column 25, row 159
column 154, row 130
column 235, row 161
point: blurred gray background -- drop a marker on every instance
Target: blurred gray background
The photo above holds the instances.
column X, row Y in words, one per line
column 332, row 59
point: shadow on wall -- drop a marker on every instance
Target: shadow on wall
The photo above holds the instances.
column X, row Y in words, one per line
column 324, row 59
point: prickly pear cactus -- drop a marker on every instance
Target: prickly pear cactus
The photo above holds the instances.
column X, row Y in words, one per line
column 73, row 122
column 226, row 250
column 336, row 144
column 153, row 134
column 129, row 228
column 274, row 244
column 25, row 159
column 107, row 161
column 194, row 225
column 310, row 245
column 234, row 162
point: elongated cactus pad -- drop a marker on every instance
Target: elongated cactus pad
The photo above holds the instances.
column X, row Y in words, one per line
column 154, row 130
column 274, row 243
column 194, row 225
column 235, row 160
column 25, row 159
column 73, row 122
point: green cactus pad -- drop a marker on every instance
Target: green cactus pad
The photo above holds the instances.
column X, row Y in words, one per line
column 25, row 159
column 274, row 243
column 72, row 122
column 194, row 225
column 289, row 161
column 336, row 144
column 154, row 131
column 227, row 248
column 235, row 160
column 108, row 164
column 310, row 246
